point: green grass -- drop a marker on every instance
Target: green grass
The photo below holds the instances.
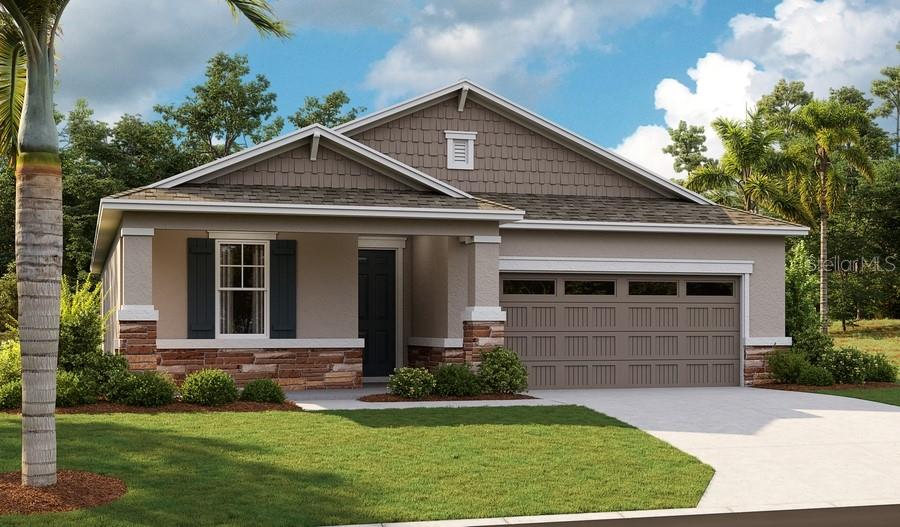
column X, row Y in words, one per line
column 879, row 395
column 873, row 336
column 365, row 466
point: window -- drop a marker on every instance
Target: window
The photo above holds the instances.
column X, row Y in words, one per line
column 460, row 150
column 710, row 289
column 241, row 284
column 529, row 287
column 653, row 288
column 590, row 287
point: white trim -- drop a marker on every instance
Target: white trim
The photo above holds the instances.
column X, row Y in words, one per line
column 265, row 289
column 314, row 146
column 242, row 235
column 540, row 264
column 768, row 341
column 136, row 231
column 307, row 210
column 462, row 99
column 464, row 135
column 468, row 140
column 381, row 242
column 274, row 146
column 529, row 117
column 693, row 228
column 136, row 313
column 435, row 342
column 257, row 343
column 468, row 240
column 484, row 314
column 745, row 321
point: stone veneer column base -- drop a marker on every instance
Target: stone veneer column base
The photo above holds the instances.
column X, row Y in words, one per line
column 480, row 336
column 432, row 357
column 756, row 364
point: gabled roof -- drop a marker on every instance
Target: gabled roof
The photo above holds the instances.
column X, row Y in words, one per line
column 471, row 91
column 315, row 132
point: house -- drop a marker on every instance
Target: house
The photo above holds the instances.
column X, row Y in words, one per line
column 426, row 233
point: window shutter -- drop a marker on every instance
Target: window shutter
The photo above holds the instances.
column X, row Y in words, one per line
column 283, row 289
column 201, row 297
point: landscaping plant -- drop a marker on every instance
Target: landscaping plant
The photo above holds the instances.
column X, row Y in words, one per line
column 879, row 368
column 846, row 365
column 11, row 394
column 10, row 362
column 142, row 389
column 73, row 390
column 502, row 372
column 785, row 366
column 411, row 383
column 263, row 391
column 209, row 387
column 456, row 380
column 814, row 376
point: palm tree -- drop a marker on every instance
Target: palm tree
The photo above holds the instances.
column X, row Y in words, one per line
column 13, row 67
column 829, row 133
column 750, row 174
column 39, row 220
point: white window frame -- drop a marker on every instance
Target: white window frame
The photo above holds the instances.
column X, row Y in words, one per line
column 265, row 290
column 469, row 138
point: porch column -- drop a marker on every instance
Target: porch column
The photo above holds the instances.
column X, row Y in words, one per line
column 136, row 315
column 483, row 320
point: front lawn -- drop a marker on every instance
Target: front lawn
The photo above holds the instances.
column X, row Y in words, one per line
column 871, row 336
column 889, row 395
column 364, row 466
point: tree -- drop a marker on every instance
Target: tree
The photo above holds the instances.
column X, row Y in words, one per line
column 888, row 90
column 39, row 221
column 777, row 107
column 751, row 169
column 873, row 139
column 829, row 134
column 227, row 112
column 13, row 64
column 687, row 147
column 326, row 111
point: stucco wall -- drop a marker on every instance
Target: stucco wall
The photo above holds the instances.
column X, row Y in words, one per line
column 767, row 252
column 429, row 286
column 170, row 281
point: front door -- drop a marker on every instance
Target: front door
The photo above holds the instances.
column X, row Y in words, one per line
column 377, row 311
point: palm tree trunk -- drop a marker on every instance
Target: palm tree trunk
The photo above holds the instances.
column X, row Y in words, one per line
column 823, row 258
column 38, row 270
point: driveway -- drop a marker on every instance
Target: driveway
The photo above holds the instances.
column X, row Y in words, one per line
column 770, row 449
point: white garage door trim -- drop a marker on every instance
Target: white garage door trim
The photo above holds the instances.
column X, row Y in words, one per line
column 743, row 268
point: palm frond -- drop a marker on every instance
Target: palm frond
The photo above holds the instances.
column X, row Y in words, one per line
column 13, row 69
column 260, row 14
column 710, row 177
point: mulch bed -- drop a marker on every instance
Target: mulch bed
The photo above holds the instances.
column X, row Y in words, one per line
column 111, row 408
column 74, row 489
column 388, row 398
column 801, row 388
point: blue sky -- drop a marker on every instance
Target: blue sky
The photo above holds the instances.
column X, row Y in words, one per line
column 615, row 72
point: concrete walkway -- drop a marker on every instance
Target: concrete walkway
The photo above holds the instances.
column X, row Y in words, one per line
column 316, row 400
column 770, row 449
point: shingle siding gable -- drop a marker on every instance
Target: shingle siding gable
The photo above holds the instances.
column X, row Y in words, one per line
column 509, row 158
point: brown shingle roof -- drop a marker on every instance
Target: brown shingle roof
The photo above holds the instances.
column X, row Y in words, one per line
column 637, row 210
column 309, row 196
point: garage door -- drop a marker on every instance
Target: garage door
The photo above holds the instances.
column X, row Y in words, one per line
column 580, row 331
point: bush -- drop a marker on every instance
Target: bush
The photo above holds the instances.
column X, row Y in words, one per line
column 10, row 361
column 815, row 376
column 801, row 292
column 11, row 395
column 785, row 366
column 879, row 368
column 812, row 343
column 263, row 391
column 502, row 372
column 456, row 380
column 80, row 326
column 73, row 390
column 846, row 365
column 141, row 389
column 411, row 383
column 209, row 387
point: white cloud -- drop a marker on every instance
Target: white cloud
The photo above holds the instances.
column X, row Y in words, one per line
column 645, row 146
column 824, row 44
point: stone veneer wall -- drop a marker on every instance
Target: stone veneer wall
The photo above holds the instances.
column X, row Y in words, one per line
column 756, row 364
column 481, row 336
column 292, row 368
column 431, row 357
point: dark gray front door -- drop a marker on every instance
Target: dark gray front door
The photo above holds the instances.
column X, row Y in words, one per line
column 377, row 311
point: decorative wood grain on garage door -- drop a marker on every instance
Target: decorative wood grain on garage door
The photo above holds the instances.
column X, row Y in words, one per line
column 579, row 331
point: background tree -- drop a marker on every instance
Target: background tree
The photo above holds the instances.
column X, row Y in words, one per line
column 888, row 90
column 226, row 113
column 872, row 138
column 39, row 222
column 778, row 106
column 327, row 111
column 688, row 147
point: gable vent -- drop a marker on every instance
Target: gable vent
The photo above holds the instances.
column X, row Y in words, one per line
column 460, row 150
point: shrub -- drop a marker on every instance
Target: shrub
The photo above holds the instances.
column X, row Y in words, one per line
column 10, row 361
column 502, row 372
column 811, row 375
column 73, row 390
column 456, row 380
column 411, row 383
column 141, row 389
column 209, row 387
column 80, row 326
column 263, row 391
column 812, row 343
column 785, row 366
column 846, row 365
column 879, row 368
column 801, row 291
column 11, row 395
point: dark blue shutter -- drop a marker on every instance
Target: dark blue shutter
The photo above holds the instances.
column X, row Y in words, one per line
column 283, row 289
column 201, row 283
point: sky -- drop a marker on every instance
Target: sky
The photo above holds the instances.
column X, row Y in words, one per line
column 614, row 71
